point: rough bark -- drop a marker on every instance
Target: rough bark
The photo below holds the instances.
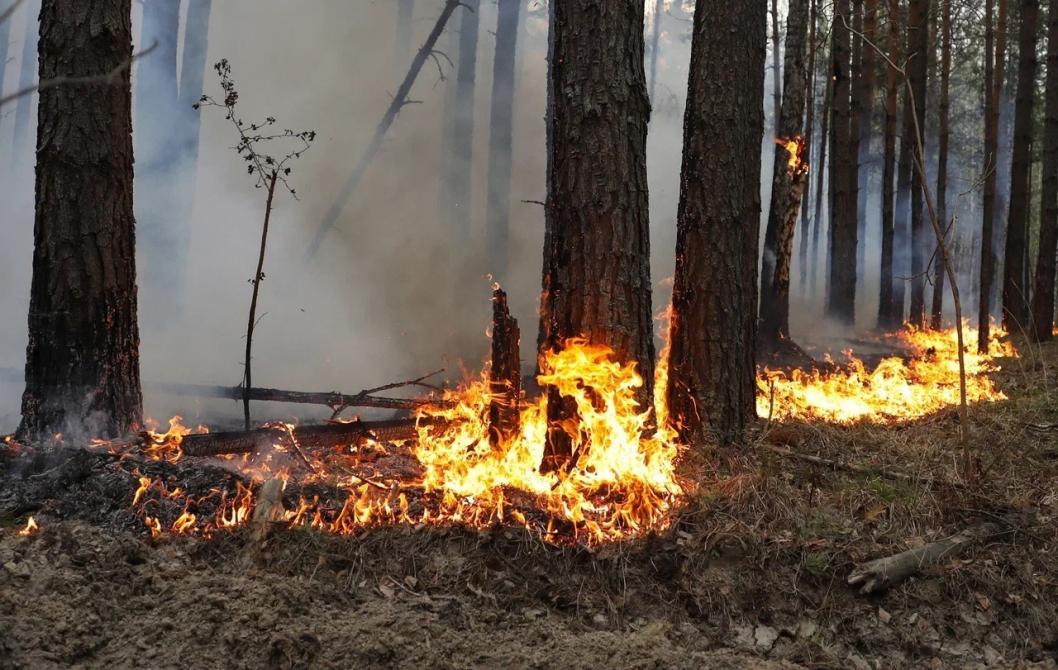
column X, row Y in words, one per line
column 821, row 170
column 459, row 207
column 1043, row 295
column 943, row 141
column 841, row 288
column 711, row 366
column 788, row 183
column 863, row 128
column 82, row 361
column 776, row 71
column 27, row 74
column 810, row 120
column 505, row 373
column 918, row 52
column 995, row 43
column 596, row 269
column 1016, row 297
column 501, row 124
column 890, row 310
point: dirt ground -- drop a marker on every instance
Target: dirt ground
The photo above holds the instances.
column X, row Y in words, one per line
column 751, row 575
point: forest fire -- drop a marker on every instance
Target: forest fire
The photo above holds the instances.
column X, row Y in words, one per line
column 795, row 150
column 894, row 390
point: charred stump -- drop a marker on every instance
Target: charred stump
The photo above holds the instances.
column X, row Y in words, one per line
column 505, row 382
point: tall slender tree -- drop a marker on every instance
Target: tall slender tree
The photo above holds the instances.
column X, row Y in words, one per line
column 995, row 66
column 890, row 302
column 501, row 125
column 1015, row 291
column 82, row 362
column 810, row 120
column 821, row 171
column 863, row 124
column 1043, row 295
column 841, row 289
column 788, row 182
column 918, row 66
column 459, row 212
column 27, row 74
column 655, row 47
column 711, row 366
column 596, row 275
column 776, row 69
column 943, row 142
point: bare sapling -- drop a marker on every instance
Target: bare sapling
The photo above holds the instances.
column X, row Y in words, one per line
column 269, row 171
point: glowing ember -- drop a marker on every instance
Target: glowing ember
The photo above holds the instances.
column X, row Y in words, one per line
column 31, row 527
column 895, row 390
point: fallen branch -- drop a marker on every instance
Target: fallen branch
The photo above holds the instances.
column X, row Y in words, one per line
column 870, row 471
column 883, row 573
column 306, row 437
column 331, row 399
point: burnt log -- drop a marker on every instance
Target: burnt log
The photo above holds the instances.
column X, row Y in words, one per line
column 306, row 437
column 331, row 399
column 505, row 381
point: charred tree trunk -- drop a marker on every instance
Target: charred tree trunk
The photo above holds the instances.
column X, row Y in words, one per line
column 841, row 289
column 596, row 271
column 944, row 113
column 82, row 362
column 890, row 310
column 27, row 75
column 994, row 70
column 810, row 120
column 788, row 182
column 1016, row 297
column 821, row 170
column 655, row 47
column 501, row 125
column 1043, row 296
column 863, row 129
column 776, row 71
column 463, row 125
column 505, row 373
column 918, row 51
column 711, row 365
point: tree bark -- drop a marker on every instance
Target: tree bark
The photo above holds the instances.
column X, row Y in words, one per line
column 890, row 310
column 821, row 170
column 944, row 114
column 1016, row 297
column 711, row 367
column 788, row 183
column 994, row 72
column 501, row 125
column 918, row 52
column 596, row 270
column 776, row 71
column 841, row 289
column 27, row 74
column 1043, row 295
column 505, row 373
column 459, row 208
column 863, row 126
column 810, row 120
column 82, row 362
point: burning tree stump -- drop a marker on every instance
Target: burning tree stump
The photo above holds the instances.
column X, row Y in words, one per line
column 505, row 381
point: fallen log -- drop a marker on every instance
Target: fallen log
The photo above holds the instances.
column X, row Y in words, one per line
column 505, row 378
column 331, row 399
column 889, row 571
column 306, row 437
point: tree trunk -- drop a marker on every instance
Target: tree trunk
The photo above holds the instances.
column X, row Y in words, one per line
column 655, row 47
column 821, row 170
column 918, row 51
column 1043, row 296
column 776, row 72
column 82, row 362
column 863, row 130
column 903, row 235
column 1015, row 291
column 27, row 75
column 505, row 373
column 459, row 211
column 841, row 289
column 596, row 270
column 498, row 206
column 711, row 365
column 788, row 183
column 810, row 120
column 944, row 113
column 889, row 310
column 994, row 71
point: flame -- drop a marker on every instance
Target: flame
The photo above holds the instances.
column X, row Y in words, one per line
column 795, row 149
column 31, row 528
column 894, row 390
column 166, row 446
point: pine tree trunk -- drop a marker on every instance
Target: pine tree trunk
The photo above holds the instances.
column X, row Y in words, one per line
column 1043, row 295
column 889, row 310
column 501, row 124
column 22, row 150
column 788, row 184
column 821, row 171
column 655, row 47
column 82, row 362
column 806, row 203
column 711, row 367
column 1016, row 299
column 459, row 212
column 903, row 235
column 944, row 113
column 596, row 274
column 776, row 72
column 994, row 71
column 841, row 290
column 918, row 50
column 864, row 128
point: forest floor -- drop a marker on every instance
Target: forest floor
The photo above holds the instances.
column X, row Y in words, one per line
column 751, row 575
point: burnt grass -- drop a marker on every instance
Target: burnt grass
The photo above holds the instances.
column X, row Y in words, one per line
column 751, row 574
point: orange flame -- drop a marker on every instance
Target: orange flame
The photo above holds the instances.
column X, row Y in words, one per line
column 795, row 150
column 31, row 527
